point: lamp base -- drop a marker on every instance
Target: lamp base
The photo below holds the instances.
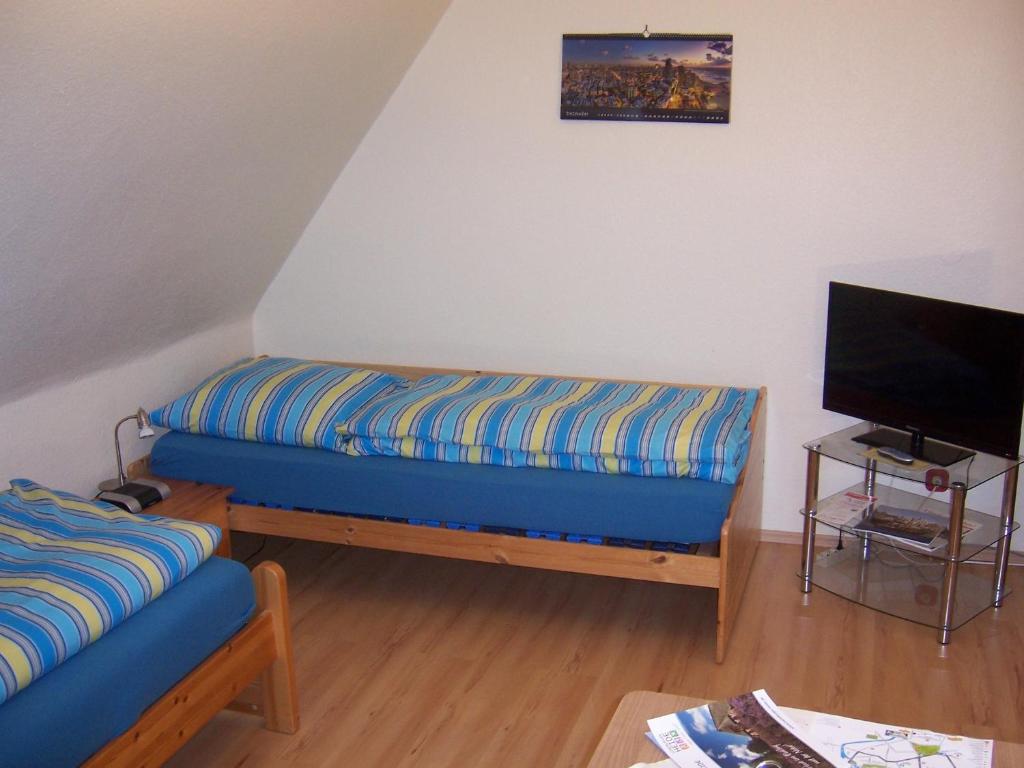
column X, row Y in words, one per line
column 135, row 495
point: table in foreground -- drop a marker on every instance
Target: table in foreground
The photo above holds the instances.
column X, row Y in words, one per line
column 624, row 743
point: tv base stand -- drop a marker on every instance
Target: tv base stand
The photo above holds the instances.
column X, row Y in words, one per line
column 942, row 589
column 914, row 443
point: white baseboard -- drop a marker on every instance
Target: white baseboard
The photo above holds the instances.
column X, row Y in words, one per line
column 789, row 537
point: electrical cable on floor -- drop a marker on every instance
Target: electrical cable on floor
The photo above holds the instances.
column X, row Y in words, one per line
column 259, row 549
column 919, row 563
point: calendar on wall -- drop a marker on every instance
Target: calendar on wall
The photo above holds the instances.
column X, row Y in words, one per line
column 647, row 76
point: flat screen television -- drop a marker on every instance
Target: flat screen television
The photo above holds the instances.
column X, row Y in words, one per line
column 927, row 368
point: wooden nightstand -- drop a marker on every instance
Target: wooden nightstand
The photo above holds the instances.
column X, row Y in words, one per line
column 198, row 501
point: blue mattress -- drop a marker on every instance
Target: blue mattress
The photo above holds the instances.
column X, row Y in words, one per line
column 621, row 506
column 65, row 716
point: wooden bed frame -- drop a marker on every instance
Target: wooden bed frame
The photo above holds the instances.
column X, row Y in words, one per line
column 725, row 570
column 261, row 649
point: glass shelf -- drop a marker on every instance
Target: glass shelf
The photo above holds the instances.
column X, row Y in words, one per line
column 972, row 471
column 901, row 584
column 986, row 533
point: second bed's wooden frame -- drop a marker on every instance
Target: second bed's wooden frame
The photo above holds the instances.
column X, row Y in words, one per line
column 727, row 570
column 260, row 651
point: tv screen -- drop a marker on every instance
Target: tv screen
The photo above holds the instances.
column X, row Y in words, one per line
column 937, row 369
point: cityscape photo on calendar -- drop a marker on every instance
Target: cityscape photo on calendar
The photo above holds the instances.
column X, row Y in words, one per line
column 661, row 77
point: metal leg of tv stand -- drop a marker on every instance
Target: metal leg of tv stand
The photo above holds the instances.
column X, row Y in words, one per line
column 956, row 523
column 810, row 519
column 870, row 473
column 1005, row 528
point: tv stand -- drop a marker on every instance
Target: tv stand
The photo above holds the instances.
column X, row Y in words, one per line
column 915, row 443
column 942, row 587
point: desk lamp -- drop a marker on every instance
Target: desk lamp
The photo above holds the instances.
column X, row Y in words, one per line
column 141, row 492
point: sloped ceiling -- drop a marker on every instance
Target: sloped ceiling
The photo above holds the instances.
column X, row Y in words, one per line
column 158, row 160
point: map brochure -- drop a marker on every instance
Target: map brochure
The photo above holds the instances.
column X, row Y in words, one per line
column 751, row 731
column 853, row 743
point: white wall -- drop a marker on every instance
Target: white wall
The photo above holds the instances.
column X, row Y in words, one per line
column 63, row 436
column 876, row 142
column 159, row 159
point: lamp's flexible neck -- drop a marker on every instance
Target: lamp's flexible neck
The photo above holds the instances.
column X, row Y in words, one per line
column 122, row 478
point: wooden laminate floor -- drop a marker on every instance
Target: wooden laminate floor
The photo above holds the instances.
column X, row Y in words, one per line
column 405, row 660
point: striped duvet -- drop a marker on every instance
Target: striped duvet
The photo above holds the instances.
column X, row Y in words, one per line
column 596, row 426
column 72, row 569
column 277, row 400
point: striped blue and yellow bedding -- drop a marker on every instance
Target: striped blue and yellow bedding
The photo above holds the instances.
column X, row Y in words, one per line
column 596, row 426
column 72, row 569
column 277, row 400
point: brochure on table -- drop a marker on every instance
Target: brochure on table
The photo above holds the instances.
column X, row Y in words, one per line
column 751, row 730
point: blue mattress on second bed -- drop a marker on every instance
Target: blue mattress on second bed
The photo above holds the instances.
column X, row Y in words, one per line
column 65, row 716
column 630, row 507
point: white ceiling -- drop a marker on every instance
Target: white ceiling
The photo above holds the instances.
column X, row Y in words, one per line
column 158, row 160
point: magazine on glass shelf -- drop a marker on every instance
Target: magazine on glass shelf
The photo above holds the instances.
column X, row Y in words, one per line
column 924, row 530
column 751, row 731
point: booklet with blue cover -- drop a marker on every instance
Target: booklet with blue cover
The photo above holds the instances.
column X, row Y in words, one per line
column 736, row 733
